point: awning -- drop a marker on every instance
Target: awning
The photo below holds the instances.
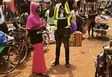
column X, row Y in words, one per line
column 102, row 0
column 46, row 0
column 7, row 1
column 40, row 0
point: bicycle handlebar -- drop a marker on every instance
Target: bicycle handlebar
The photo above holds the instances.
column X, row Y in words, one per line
column 19, row 25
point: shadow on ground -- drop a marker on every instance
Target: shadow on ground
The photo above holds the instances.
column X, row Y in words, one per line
column 104, row 39
column 14, row 74
column 61, row 69
column 58, row 70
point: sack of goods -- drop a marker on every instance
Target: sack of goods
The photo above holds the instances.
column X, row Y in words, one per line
column 3, row 41
column 73, row 27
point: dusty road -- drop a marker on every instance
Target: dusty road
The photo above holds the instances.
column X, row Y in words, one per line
column 81, row 59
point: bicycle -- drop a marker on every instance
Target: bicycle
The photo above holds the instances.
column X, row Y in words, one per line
column 24, row 43
column 9, row 58
column 23, row 49
column 46, row 38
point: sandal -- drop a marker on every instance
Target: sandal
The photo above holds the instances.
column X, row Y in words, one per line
column 45, row 75
column 36, row 73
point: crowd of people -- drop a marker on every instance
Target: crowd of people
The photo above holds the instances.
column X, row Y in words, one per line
column 57, row 16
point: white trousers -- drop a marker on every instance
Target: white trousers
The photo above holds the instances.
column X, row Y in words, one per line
column 51, row 32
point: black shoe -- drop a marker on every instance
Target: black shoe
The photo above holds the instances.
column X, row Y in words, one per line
column 45, row 75
column 92, row 35
column 54, row 64
column 68, row 65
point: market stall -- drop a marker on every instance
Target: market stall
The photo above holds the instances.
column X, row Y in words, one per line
column 9, row 4
column 6, row 1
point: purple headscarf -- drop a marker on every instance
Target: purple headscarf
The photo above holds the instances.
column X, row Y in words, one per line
column 33, row 19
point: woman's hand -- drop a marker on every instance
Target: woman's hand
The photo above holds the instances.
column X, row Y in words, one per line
column 42, row 27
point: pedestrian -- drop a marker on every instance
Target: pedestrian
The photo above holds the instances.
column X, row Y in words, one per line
column 3, row 25
column 34, row 26
column 74, row 14
column 92, row 14
column 1, row 1
column 23, row 14
column 71, row 4
column 62, row 16
column 78, row 4
column 81, row 21
column 50, row 22
column 21, row 19
column 110, row 6
column 11, row 14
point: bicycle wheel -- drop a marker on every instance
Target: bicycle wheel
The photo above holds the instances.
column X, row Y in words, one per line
column 10, row 58
column 45, row 40
column 23, row 49
column 28, row 42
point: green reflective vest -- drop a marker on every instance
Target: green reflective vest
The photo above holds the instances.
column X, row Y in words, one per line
column 56, row 11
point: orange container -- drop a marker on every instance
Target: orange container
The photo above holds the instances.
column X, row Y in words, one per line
column 78, row 38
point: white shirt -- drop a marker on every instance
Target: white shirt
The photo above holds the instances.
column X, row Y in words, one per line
column 2, row 16
column 73, row 15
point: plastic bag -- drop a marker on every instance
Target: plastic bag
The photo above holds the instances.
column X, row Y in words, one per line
column 3, row 39
column 73, row 27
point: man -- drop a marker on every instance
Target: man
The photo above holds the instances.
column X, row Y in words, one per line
column 92, row 14
column 11, row 14
column 62, row 16
column 1, row 2
column 110, row 6
column 50, row 22
column 71, row 3
column 78, row 4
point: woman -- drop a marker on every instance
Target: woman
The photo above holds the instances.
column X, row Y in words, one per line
column 34, row 26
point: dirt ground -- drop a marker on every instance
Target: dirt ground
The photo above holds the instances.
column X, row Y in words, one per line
column 81, row 59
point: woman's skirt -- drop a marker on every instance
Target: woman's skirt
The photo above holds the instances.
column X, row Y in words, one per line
column 38, row 65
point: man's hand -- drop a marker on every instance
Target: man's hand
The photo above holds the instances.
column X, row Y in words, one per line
column 51, row 13
column 52, row 2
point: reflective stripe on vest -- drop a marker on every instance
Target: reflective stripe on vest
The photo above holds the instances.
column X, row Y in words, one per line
column 56, row 11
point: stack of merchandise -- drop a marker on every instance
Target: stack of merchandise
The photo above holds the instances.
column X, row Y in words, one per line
column 100, row 19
